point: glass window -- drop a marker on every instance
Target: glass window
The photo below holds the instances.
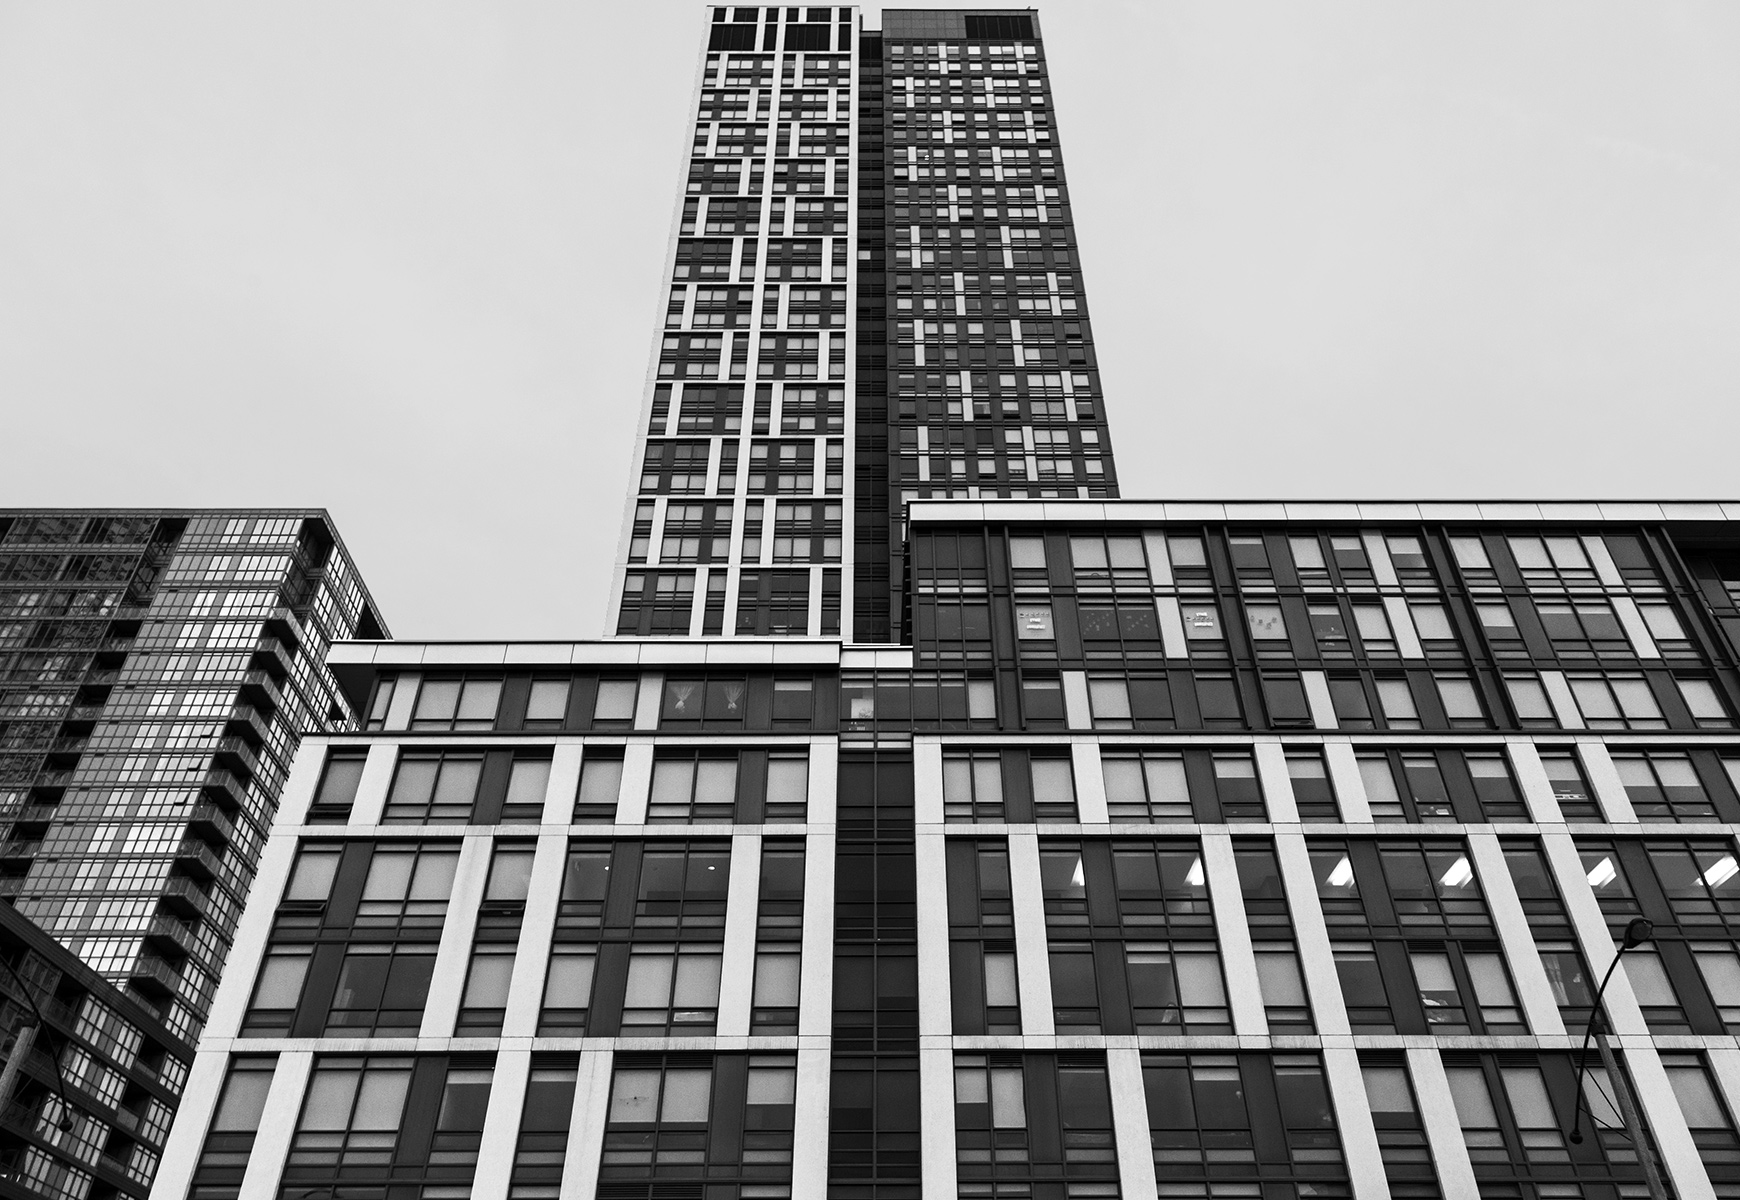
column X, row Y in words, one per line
column 1432, row 622
column 528, row 781
column 434, row 788
column 1267, row 624
column 548, row 702
column 1397, row 702
column 600, row 787
column 1313, row 794
column 338, row 785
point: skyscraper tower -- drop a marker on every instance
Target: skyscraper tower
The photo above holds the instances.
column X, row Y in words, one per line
column 156, row 670
column 913, row 839
column 874, row 297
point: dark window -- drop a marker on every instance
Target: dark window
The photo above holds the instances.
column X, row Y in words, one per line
column 229, row 1143
column 457, row 704
column 434, row 788
column 1158, row 785
column 338, row 784
column 600, row 787
column 1243, row 1121
column 1021, row 1117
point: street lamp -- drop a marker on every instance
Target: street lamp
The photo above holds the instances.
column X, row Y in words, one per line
column 1637, row 932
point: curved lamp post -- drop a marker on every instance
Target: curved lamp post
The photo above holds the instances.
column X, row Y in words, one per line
column 1639, row 931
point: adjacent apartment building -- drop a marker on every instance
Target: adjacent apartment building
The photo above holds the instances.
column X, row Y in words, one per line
column 937, row 824
column 156, row 670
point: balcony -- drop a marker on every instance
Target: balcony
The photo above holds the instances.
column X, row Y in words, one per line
column 246, row 722
column 237, row 755
column 154, row 976
column 52, row 779
column 171, row 938
column 182, row 897
column 261, row 690
column 272, row 654
column 16, row 852
column 225, row 788
column 211, row 825
column 197, row 861
column 285, row 624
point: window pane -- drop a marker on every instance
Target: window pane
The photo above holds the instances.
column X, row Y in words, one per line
column 528, row 781
column 548, row 700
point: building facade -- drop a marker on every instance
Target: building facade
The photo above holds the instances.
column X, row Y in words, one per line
column 1218, row 849
column 156, row 670
column 874, row 298
column 938, row 824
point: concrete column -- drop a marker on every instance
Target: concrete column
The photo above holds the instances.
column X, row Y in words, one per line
column 637, row 768
column 404, row 700
column 1680, row 1161
column 737, row 974
column 1311, row 932
column 1365, row 1165
column 809, row 1168
column 501, row 1124
column 1233, row 932
column 1130, row 1123
column 1402, row 622
column 1443, row 1127
column 824, row 781
column 454, row 955
column 253, row 931
column 277, row 1126
column 305, row 774
column 935, row 1011
column 1032, row 961
column 1537, row 789
column 564, row 786
column 1592, row 932
column 586, row 1126
column 1604, row 780
column 652, row 684
column 816, row 983
column 1344, row 777
column 1563, row 702
column 1276, row 783
column 936, row 1090
column 1078, row 711
column 537, row 928
column 1534, row 992
column 1318, row 698
column 193, row 1118
column 377, row 779
column 1090, row 783
column 927, row 781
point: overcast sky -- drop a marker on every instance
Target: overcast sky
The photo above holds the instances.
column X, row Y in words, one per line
column 402, row 260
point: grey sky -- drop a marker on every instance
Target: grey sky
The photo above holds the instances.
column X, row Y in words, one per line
column 403, row 261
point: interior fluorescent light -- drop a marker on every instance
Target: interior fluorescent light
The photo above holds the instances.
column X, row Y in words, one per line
column 1724, row 870
column 1194, row 876
column 1343, row 873
column 1602, row 873
column 1459, row 874
column 1079, row 879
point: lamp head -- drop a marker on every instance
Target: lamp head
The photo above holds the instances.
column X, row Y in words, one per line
column 1639, row 931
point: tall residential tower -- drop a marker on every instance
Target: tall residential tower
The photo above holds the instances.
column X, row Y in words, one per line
column 937, row 824
column 156, row 670
column 874, row 297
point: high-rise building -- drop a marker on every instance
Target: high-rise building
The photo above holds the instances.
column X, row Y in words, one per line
column 874, row 298
column 156, row 670
column 909, row 838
